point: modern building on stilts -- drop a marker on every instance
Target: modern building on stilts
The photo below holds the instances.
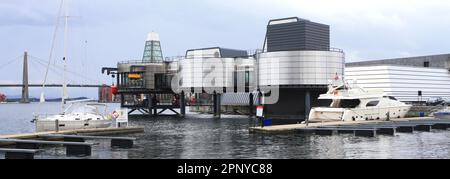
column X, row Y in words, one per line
column 145, row 85
column 297, row 58
column 286, row 76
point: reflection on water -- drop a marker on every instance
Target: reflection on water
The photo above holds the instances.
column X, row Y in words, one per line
column 201, row 137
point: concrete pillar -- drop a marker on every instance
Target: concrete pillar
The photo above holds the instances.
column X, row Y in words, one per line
column 307, row 104
column 25, row 89
column 215, row 104
column 219, row 106
column 183, row 104
column 251, row 105
column 122, row 100
column 155, row 105
column 150, row 103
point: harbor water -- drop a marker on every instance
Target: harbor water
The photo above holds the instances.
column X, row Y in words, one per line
column 202, row 137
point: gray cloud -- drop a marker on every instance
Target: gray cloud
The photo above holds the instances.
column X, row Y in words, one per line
column 14, row 13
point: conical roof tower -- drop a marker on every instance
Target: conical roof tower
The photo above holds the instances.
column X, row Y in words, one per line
column 152, row 51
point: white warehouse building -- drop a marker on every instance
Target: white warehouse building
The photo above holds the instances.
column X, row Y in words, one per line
column 404, row 78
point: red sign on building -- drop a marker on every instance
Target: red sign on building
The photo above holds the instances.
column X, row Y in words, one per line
column 2, row 98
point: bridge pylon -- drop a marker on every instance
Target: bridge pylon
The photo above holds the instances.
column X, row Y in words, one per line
column 25, row 85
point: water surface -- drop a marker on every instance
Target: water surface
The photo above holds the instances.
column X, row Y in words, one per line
column 201, row 137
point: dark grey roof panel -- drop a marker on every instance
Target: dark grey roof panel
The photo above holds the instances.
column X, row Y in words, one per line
column 224, row 52
column 299, row 35
column 232, row 53
column 435, row 61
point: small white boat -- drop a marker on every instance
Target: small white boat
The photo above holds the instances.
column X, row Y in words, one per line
column 443, row 114
column 353, row 103
column 76, row 116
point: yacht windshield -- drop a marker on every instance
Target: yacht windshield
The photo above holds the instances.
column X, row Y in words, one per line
column 83, row 108
column 391, row 97
column 86, row 110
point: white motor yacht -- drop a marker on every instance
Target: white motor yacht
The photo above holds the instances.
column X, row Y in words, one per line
column 353, row 103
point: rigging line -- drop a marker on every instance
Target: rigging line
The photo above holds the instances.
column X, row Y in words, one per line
column 51, row 69
column 58, row 72
column 71, row 72
column 44, row 65
column 10, row 62
column 38, row 70
column 58, row 18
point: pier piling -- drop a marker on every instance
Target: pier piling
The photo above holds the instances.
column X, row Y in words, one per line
column 251, row 105
column 183, row 104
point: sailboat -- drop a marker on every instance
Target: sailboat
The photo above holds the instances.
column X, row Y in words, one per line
column 79, row 114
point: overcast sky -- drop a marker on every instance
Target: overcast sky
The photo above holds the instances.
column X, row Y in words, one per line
column 103, row 32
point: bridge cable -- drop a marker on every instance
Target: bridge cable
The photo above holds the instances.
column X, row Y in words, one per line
column 72, row 72
column 10, row 62
column 54, row 70
column 58, row 72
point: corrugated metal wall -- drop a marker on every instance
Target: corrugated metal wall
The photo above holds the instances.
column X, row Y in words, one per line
column 404, row 83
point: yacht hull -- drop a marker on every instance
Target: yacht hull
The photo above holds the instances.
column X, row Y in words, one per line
column 331, row 114
column 47, row 126
column 442, row 115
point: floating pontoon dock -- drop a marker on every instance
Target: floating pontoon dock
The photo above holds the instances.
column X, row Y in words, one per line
column 95, row 132
column 27, row 145
column 359, row 128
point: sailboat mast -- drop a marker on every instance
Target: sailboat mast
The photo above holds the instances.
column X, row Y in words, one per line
column 66, row 24
column 61, row 6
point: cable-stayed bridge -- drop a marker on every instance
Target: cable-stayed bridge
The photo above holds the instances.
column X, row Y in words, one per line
column 36, row 63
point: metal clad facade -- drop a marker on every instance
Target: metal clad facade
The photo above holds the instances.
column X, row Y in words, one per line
column 300, row 67
column 403, row 82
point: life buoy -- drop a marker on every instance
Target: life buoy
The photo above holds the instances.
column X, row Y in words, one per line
column 114, row 90
column 115, row 115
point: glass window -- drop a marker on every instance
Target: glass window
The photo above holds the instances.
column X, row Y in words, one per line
column 157, row 54
column 391, row 97
column 350, row 103
column 156, row 48
column 373, row 103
